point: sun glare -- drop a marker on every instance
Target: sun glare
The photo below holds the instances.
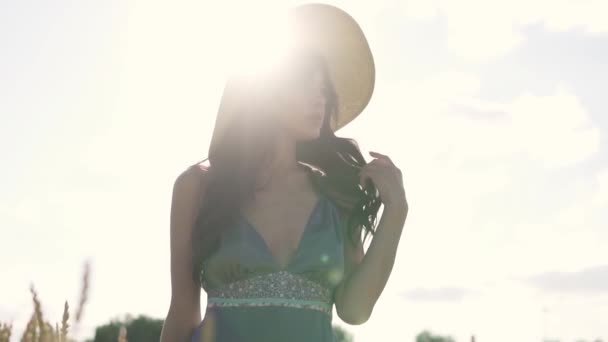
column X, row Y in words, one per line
column 256, row 44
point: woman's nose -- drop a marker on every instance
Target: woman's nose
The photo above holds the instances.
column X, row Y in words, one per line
column 318, row 95
column 318, row 100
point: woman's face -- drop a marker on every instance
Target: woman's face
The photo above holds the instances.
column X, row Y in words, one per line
column 302, row 106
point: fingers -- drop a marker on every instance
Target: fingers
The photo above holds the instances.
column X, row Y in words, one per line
column 381, row 156
column 378, row 164
column 367, row 170
column 385, row 159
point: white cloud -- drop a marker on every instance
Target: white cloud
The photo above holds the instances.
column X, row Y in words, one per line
column 489, row 314
column 479, row 30
column 438, row 294
column 454, row 149
column 567, row 15
column 443, row 113
column 601, row 197
column 555, row 129
column 492, row 315
column 589, row 281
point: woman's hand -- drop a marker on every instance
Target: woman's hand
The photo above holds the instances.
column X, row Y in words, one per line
column 388, row 179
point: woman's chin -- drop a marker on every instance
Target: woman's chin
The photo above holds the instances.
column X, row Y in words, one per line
column 311, row 135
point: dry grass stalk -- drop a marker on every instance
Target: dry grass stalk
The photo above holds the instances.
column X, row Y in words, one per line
column 47, row 333
column 56, row 334
column 37, row 312
column 44, row 332
column 64, row 322
column 5, row 332
column 28, row 334
column 83, row 293
column 38, row 330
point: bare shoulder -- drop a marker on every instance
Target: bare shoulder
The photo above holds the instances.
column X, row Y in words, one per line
column 191, row 179
column 194, row 172
column 188, row 192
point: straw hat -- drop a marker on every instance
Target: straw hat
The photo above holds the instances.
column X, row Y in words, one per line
column 335, row 35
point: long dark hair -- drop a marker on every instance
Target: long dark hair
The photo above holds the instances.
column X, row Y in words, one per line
column 232, row 176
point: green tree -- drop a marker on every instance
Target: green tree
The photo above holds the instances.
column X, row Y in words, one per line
column 342, row 335
column 426, row 336
column 140, row 329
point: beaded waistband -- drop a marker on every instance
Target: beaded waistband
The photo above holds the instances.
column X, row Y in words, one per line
column 280, row 288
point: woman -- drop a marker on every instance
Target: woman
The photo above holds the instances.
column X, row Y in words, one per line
column 271, row 229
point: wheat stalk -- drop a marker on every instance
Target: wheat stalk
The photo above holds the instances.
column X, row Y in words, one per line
column 38, row 314
column 44, row 328
column 38, row 330
column 47, row 333
column 56, row 334
column 28, row 333
column 64, row 322
column 83, row 293
column 5, row 332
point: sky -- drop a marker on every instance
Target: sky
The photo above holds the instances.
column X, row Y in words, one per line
column 495, row 112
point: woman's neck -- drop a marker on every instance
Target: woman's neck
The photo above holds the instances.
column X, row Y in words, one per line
column 282, row 165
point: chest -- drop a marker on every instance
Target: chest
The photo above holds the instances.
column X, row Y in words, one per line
column 317, row 255
column 281, row 226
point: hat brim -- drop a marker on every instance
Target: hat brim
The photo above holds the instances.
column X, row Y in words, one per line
column 335, row 35
column 339, row 39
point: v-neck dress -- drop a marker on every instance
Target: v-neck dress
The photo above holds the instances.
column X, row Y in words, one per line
column 250, row 298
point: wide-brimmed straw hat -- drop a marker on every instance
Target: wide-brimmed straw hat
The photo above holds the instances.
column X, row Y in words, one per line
column 333, row 34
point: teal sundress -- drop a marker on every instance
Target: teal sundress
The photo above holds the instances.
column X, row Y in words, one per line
column 250, row 298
